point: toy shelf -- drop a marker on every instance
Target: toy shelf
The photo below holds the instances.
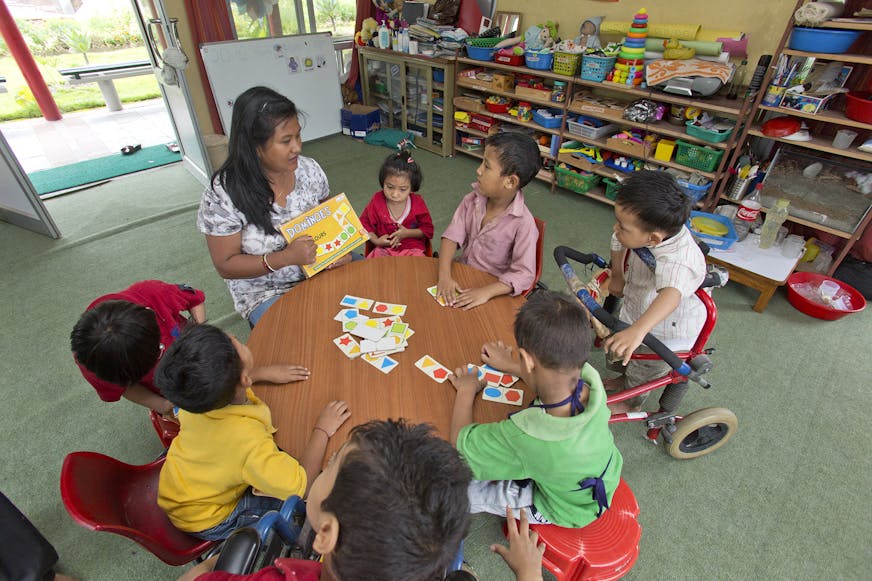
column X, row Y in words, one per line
column 817, row 144
column 825, row 116
column 860, row 59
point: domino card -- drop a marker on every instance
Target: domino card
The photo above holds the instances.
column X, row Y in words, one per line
column 472, row 368
column 350, row 315
column 438, row 299
column 383, row 344
column 508, row 395
column 356, row 302
column 348, row 345
column 382, row 363
column 363, row 330
column 389, row 309
column 435, row 370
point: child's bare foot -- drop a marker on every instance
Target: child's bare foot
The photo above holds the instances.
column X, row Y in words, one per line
column 622, row 407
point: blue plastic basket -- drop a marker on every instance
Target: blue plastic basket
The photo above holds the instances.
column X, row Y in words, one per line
column 480, row 54
column 716, row 242
column 694, row 192
column 595, row 67
column 549, row 122
column 539, row 61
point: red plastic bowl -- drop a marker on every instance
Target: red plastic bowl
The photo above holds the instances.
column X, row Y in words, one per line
column 497, row 107
column 859, row 107
column 816, row 309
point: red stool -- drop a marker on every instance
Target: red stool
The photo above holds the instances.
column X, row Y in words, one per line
column 605, row 549
column 166, row 429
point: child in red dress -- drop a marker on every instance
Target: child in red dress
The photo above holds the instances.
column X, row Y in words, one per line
column 397, row 219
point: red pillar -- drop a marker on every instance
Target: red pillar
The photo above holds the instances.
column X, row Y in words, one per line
column 28, row 67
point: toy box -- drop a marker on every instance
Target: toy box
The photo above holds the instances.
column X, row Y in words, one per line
column 482, row 123
column 360, row 120
column 628, row 147
column 526, row 92
column 503, row 81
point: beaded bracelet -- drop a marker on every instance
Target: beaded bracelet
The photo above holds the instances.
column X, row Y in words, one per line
column 265, row 263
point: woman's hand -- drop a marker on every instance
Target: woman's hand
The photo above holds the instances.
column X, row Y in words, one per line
column 332, row 416
column 299, row 252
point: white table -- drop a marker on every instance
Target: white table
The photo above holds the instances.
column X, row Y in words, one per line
column 761, row 269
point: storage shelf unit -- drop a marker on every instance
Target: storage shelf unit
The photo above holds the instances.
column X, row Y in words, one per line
column 412, row 93
column 822, row 124
column 717, row 105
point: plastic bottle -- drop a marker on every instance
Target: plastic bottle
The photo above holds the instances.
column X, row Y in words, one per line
column 384, row 36
column 736, row 81
column 404, row 40
column 775, row 217
column 747, row 213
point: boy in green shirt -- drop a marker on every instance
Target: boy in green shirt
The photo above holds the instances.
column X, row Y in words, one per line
column 555, row 461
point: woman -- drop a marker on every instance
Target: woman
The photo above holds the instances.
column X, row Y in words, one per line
column 264, row 183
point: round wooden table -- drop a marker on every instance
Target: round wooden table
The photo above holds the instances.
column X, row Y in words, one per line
column 299, row 329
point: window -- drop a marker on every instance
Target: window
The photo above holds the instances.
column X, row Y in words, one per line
column 263, row 18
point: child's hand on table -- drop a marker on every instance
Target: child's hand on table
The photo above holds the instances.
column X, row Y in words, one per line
column 524, row 553
column 332, row 416
column 464, row 380
column 448, row 289
column 281, row 373
column 498, row 355
column 472, row 297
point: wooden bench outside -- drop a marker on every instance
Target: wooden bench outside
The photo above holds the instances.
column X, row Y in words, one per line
column 104, row 75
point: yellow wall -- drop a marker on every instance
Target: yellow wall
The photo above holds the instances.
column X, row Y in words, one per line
column 762, row 20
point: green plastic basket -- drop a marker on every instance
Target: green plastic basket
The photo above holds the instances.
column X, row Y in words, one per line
column 699, row 157
column 576, row 182
column 485, row 42
column 566, row 63
column 707, row 134
column 612, row 188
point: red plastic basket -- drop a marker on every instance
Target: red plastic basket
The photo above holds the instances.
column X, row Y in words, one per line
column 818, row 310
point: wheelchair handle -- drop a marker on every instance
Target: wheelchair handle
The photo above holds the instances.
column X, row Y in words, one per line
column 561, row 255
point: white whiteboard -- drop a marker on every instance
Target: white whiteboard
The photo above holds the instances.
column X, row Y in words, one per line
column 302, row 68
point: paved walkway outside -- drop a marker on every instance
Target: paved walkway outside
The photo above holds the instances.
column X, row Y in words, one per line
column 40, row 144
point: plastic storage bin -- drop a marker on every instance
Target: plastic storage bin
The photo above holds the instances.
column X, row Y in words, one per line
column 715, row 242
column 576, row 182
column 826, row 40
column 566, row 63
column 819, row 310
column 516, row 60
column 439, row 75
column 590, row 128
column 480, row 53
column 539, row 61
column 548, row 122
column 694, row 192
column 612, row 188
column 699, row 157
column 707, row 134
column 596, row 68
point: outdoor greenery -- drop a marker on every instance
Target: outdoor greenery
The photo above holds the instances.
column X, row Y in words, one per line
column 18, row 102
column 55, row 36
column 336, row 16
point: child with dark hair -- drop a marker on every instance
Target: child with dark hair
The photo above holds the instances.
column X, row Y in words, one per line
column 396, row 218
column 391, row 504
column 119, row 338
column 493, row 226
column 225, row 447
column 556, row 461
column 663, row 271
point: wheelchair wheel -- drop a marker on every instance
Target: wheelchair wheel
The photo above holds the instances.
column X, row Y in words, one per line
column 702, row 432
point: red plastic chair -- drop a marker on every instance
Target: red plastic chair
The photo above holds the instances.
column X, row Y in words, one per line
column 605, row 549
column 540, row 246
column 166, row 429
column 103, row 494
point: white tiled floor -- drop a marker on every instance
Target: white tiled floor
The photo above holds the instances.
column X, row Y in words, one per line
column 40, row 144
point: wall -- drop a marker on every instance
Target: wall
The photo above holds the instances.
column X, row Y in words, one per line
column 762, row 20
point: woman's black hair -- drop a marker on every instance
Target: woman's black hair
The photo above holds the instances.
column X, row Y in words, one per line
column 256, row 114
column 399, row 164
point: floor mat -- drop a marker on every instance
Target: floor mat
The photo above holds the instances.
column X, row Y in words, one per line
column 95, row 170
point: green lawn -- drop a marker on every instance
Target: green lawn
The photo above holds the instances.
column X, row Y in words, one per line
column 18, row 103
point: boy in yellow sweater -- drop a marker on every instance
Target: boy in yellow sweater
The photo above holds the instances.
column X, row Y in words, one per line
column 225, row 447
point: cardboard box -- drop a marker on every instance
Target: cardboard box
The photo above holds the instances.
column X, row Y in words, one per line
column 469, row 104
column 627, row 147
column 482, row 123
column 577, row 162
column 587, row 102
column 360, row 120
column 529, row 93
column 504, row 81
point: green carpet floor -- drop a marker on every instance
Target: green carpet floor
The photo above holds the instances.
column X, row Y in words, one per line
column 787, row 498
column 95, row 170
